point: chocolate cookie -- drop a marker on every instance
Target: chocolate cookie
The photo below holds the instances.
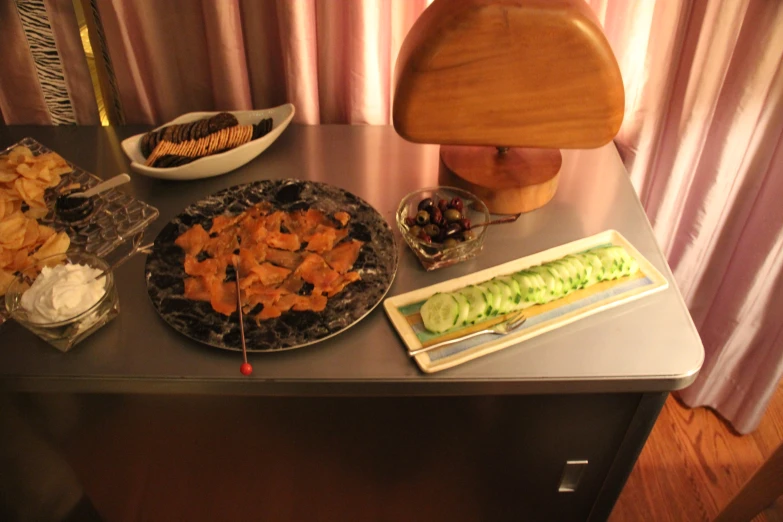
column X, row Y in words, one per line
column 199, row 130
column 154, row 140
column 188, row 132
column 168, row 133
column 220, row 121
column 145, row 145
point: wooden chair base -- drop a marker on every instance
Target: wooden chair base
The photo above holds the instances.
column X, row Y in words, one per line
column 514, row 180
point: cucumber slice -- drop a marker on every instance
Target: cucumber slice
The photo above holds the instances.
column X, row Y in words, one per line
column 530, row 286
column 495, row 295
column 464, row 308
column 541, row 287
column 633, row 266
column 554, row 285
column 477, row 302
column 564, row 276
column 581, row 269
column 609, row 259
column 440, row 312
column 514, row 295
column 575, row 277
column 597, row 272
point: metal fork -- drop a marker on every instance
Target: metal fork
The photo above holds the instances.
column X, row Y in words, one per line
column 503, row 328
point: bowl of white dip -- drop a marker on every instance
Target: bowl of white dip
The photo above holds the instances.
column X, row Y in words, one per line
column 64, row 298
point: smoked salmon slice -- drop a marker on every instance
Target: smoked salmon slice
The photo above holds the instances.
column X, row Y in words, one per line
column 342, row 217
column 315, row 271
column 344, row 255
column 193, row 240
column 322, row 241
column 207, row 267
column 283, row 258
column 283, row 241
column 223, row 297
column 270, row 274
column 197, row 289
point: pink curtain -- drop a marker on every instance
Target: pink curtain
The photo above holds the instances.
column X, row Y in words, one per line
column 332, row 59
column 703, row 142
column 45, row 79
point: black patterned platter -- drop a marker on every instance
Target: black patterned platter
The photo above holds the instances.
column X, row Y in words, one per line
column 377, row 265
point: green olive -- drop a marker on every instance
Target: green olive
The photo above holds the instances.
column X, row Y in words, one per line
column 452, row 215
column 467, row 235
column 414, row 231
column 422, row 218
column 432, row 230
column 450, row 243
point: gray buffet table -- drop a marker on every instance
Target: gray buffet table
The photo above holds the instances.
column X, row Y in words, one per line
column 590, row 391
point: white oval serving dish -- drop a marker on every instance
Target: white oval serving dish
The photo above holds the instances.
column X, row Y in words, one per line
column 216, row 164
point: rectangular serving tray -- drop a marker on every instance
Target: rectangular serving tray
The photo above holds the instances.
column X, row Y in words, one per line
column 403, row 310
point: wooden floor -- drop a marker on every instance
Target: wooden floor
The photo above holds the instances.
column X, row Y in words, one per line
column 694, row 463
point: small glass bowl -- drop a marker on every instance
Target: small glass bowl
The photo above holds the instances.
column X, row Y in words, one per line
column 435, row 255
column 67, row 333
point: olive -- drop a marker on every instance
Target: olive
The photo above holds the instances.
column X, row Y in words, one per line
column 409, row 221
column 424, row 237
column 456, row 203
column 453, row 230
column 452, row 215
column 467, row 235
column 422, row 218
column 465, row 224
column 436, row 216
column 415, row 230
column 426, row 204
column 432, row 230
column 443, row 205
column 450, row 243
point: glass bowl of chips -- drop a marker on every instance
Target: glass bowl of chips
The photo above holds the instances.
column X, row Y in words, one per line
column 63, row 298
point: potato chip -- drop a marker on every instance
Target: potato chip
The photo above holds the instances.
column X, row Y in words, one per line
column 61, row 170
column 36, row 212
column 19, row 155
column 21, row 260
column 6, row 278
column 24, row 169
column 12, row 231
column 31, row 233
column 44, row 233
column 6, row 257
column 31, row 191
column 56, row 244
column 6, row 176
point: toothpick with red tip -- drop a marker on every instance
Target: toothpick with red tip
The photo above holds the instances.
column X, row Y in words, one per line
column 245, row 368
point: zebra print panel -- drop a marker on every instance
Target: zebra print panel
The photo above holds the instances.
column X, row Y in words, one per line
column 114, row 96
column 48, row 66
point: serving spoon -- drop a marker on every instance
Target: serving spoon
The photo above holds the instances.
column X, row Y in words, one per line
column 110, row 183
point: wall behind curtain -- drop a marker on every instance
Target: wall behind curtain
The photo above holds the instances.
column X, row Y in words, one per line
column 332, row 60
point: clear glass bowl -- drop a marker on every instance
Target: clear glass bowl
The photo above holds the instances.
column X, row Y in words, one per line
column 434, row 255
column 67, row 333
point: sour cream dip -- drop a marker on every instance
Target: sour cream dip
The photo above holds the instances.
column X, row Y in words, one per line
column 62, row 292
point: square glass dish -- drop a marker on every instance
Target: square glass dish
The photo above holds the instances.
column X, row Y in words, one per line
column 453, row 211
column 59, row 294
